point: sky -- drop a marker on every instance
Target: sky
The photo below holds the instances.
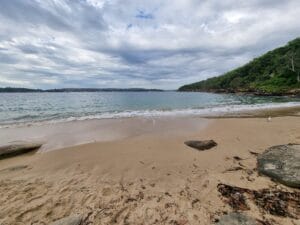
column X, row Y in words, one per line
column 136, row 43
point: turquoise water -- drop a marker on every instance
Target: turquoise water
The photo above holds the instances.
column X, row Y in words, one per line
column 19, row 108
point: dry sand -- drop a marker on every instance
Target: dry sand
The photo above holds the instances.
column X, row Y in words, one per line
column 145, row 177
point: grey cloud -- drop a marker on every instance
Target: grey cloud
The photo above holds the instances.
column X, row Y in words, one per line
column 7, row 59
column 154, row 44
column 52, row 14
column 144, row 15
column 29, row 49
column 30, row 12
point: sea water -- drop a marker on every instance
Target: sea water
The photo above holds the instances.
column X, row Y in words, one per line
column 28, row 108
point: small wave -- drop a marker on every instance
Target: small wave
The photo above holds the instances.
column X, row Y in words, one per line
column 26, row 117
column 209, row 111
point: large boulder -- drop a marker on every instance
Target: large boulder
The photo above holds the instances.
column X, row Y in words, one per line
column 281, row 163
column 201, row 145
column 236, row 219
column 70, row 220
column 17, row 148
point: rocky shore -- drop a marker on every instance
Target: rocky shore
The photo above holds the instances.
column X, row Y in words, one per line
column 292, row 92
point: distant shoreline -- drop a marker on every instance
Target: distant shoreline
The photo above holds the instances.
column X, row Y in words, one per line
column 214, row 91
column 291, row 93
column 28, row 90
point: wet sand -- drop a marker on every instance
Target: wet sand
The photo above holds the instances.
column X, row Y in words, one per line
column 144, row 174
column 60, row 135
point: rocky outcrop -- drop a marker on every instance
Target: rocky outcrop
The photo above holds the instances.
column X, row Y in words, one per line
column 236, row 219
column 281, row 163
column 17, row 148
column 201, row 145
column 70, row 220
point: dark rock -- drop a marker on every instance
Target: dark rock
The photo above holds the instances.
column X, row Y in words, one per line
column 201, row 145
column 281, row 163
column 17, row 148
column 236, row 219
column 70, row 220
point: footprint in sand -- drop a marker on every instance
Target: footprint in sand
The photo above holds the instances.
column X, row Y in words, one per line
column 106, row 191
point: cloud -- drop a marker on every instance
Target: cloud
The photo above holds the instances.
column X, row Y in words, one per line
column 143, row 15
column 151, row 44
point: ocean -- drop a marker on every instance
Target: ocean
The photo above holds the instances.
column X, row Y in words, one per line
column 31, row 108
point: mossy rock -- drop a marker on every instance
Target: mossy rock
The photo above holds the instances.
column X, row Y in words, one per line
column 282, row 164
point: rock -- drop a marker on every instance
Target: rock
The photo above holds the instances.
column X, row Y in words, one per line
column 281, row 163
column 236, row 219
column 70, row 220
column 201, row 145
column 17, row 148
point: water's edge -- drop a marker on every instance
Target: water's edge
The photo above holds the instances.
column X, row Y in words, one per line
column 19, row 109
column 212, row 112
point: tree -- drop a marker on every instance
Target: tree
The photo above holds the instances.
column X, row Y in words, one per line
column 294, row 63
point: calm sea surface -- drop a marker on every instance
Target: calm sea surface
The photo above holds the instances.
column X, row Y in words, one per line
column 19, row 108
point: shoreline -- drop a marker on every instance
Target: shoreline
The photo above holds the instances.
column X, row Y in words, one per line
column 61, row 135
column 148, row 176
column 290, row 93
column 250, row 110
column 71, row 133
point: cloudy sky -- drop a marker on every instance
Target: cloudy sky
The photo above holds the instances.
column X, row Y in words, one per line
column 136, row 43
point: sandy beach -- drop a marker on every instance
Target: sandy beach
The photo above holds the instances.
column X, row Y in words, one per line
column 178, row 112
column 139, row 171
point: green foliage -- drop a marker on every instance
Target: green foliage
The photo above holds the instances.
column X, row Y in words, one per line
column 272, row 73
